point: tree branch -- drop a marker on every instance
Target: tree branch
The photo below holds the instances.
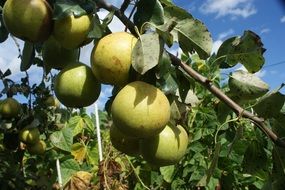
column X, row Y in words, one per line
column 259, row 122
column 109, row 7
column 125, row 5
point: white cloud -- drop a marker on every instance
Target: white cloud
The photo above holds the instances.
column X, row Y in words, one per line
column 233, row 8
column 282, row 20
column 273, row 72
column 9, row 59
column 265, row 30
column 221, row 37
column 216, row 46
column 116, row 25
column 116, row 3
column 175, row 50
column 225, row 34
column 85, row 53
column 259, row 74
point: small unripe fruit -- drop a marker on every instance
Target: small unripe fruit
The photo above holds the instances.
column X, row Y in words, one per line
column 52, row 101
column 29, row 135
column 37, row 148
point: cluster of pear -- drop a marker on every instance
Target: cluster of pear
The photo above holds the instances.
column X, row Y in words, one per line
column 141, row 114
column 31, row 137
column 140, row 111
column 10, row 109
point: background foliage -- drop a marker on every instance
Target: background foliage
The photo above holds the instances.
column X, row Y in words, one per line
column 225, row 151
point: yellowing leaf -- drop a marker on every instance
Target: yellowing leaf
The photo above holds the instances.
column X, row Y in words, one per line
column 79, row 181
column 78, row 150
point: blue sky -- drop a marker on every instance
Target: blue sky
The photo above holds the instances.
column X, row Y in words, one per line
column 226, row 18
column 223, row 18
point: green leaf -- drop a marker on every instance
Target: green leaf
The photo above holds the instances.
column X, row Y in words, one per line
column 190, row 98
column 247, row 50
column 108, row 18
column 28, row 56
column 278, row 153
column 62, row 139
column 166, row 2
column 155, row 178
column 177, row 183
column 100, row 29
column 164, row 66
column 191, row 33
column 6, row 73
column 278, row 183
column 207, row 177
column 168, row 84
column 254, row 158
column 166, row 75
column 76, row 123
column 149, row 11
column 146, row 52
column 68, row 168
column 64, row 8
column 167, row 173
column 197, row 135
column 164, row 31
column 174, row 110
column 184, row 83
column 96, row 31
column 246, row 85
column 92, row 155
column 89, row 124
column 270, row 105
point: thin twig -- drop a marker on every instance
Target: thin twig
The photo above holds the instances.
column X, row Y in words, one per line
column 227, row 100
column 131, row 14
column 137, row 176
column 109, row 7
column 125, row 5
column 30, row 94
column 203, row 81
